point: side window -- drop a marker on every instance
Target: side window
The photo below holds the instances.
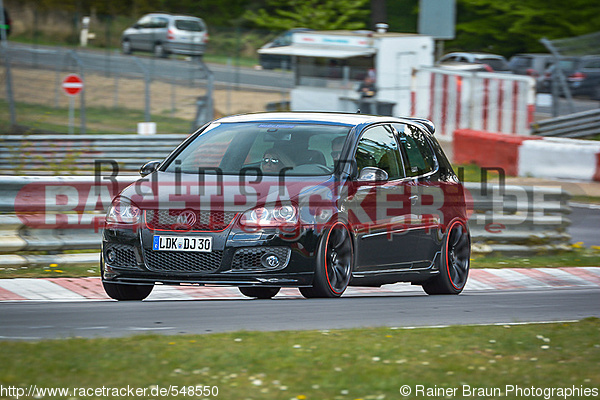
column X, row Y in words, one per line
column 161, row 22
column 145, row 22
column 378, row 148
column 418, row 155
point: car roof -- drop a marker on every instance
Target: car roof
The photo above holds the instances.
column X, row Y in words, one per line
column 308, row 117
column 171, row 15
column 333, row 118
column 475, row 55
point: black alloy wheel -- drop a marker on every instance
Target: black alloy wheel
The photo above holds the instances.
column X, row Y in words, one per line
column 454, row 263
column 334, row 265
column 259, row 292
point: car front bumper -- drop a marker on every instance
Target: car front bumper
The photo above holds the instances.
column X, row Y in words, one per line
column 237, row 259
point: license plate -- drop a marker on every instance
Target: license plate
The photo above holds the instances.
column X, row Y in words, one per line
column 182, row 243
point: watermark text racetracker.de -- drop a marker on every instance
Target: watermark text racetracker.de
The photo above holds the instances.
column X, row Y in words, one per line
column 81, row 204
column 509, row 391
column 39, row 392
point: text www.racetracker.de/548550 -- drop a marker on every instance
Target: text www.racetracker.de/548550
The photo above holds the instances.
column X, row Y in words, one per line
column 104, row 391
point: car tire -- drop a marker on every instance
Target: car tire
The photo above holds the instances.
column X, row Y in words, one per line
column 454, row 263
column 259, row 292
column 334, row 264
column 121, row 292
column 160, row 51
column 126, row 47
column 596, row 93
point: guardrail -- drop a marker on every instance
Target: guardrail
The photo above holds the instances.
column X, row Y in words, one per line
column 504, row 219
column 51, row 154
column 577, row 125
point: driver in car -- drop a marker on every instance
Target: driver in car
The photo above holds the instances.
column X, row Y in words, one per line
column 274, row 161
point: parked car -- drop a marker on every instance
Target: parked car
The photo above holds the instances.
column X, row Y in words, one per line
column 272, row 61
column 582, row 75
column 532, row 64
column 496, row 62
column 465, row 67
column 567, row 66
column 164, row 34
column 318, row 201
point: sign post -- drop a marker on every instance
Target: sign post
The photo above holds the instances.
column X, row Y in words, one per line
column 72, row 86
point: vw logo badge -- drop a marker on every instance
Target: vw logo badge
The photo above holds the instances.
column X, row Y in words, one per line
column 187, row 218
column 272, row 261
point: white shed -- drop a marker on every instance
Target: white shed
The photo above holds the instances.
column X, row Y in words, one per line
column 329, row 67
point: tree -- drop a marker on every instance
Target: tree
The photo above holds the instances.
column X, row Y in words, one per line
column 315, row 14
column 513, row 26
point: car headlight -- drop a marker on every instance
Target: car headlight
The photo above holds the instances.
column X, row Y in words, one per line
column 270, row 216
column 123, row 211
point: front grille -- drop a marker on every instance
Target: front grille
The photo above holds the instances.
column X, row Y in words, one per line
column 122, row 255
column 251, row 258
column 205, row 220
column 170, row 261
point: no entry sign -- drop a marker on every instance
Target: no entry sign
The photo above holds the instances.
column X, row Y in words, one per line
column 72, row 85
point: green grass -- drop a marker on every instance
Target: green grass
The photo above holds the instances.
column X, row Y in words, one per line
column 38, row 118
column 472, row 173
column 336, row 364
column 579, row 257
column 50, row 271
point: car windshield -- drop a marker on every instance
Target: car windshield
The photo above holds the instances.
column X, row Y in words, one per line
column 192, row 25
column 270, row 148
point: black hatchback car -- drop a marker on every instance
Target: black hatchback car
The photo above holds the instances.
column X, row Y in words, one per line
column 317, row 201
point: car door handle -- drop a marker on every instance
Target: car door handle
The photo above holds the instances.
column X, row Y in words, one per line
column 413, row 199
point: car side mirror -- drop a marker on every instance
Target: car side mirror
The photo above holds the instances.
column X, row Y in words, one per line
column 372, row 175
column 149, row 167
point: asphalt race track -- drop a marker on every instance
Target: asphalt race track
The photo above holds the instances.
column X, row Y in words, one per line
column 37, row 320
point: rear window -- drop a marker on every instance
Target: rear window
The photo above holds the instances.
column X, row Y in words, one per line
column 495, row 63
column 567, row 64
column 191, row 25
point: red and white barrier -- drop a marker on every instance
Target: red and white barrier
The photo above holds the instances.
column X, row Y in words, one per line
column 485, row 101
column 552, row 158
column 560, row 158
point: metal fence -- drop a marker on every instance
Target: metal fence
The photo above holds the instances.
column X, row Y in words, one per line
column 504, row 219
column 111, row 82
column 577, row 125
column 80, row 154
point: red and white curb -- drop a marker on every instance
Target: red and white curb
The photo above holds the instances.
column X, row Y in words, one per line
column 90, row 289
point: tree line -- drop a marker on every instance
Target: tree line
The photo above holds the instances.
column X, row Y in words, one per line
column 505, row 27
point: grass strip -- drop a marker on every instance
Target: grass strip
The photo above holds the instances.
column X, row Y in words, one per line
column 337, row 364
column 98, row 119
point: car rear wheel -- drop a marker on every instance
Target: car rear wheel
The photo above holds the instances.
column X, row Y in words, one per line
column 260, row 292
column 455, row 261
column 126, row 47
column 159, row 51
column 119, row 291
column 334, row 264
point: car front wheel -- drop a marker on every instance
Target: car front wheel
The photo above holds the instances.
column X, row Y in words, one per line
column 455, row 262
column 334, row 264
column 119, row 291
